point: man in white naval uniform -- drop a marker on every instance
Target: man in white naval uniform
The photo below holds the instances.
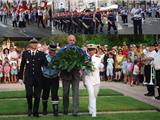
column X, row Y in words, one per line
column 92, row 78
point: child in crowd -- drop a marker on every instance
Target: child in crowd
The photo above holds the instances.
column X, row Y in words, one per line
column 129, row 71
column 109, row 71
column 7, row 69
column 1, row 71
column 124, row 69
column 136, row 72
column 14, row 72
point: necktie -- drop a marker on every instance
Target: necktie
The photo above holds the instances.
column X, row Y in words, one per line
column 32, row 54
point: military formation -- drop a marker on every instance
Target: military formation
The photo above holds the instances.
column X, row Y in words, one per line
column 85, row 22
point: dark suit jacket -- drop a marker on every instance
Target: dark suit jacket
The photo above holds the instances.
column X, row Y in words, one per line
column 30, row 68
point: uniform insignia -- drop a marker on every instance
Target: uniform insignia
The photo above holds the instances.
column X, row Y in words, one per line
column 27, row 61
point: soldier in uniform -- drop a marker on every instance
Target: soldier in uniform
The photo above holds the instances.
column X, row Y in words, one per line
column 50, row 81
column 111, row 22
column 80, row 28
column 30, row 71
column 98, row 21
column 88, row 23
column 68, row 20
column 75, row 25
column 137, row 19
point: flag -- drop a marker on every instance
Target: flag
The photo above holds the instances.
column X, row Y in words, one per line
column 7, row 7
column 30, row 7
column 24, row 5
column 19, row 6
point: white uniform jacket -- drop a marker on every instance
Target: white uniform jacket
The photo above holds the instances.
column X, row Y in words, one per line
column 94, row 76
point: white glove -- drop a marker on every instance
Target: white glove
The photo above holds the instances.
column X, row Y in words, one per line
column 21, row 81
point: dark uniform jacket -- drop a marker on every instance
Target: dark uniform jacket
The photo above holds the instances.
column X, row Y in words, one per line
column 31, row 67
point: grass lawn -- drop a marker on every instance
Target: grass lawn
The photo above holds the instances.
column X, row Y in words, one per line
column 122, row 116
column 114, row 103
column 83, row 92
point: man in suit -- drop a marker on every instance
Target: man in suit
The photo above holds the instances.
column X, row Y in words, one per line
column 70, row 78
column 31, row 73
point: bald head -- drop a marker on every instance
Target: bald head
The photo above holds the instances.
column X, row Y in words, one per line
column 71, row 39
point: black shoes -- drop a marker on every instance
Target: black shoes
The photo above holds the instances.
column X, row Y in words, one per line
column 55, row 109
column 149, row 94
column 158, row 97
column 75, row 114
column 65, row 112
column 29, row 113
column 35, row 114
column 44, row 108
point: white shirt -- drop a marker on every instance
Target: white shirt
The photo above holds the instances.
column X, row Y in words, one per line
column 136, row 12
column 135, row 70
column 13, row 54
column 33, row 51
column 152, row 54
column 110, row 62
column 40, row 13
column 94, row 76
column 14, row 16
column 156, row 62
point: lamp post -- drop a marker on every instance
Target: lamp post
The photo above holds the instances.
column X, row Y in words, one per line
column 52, row 27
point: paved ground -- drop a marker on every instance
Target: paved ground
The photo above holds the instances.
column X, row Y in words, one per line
column 136, row 92
column 150, row 26
column 31, row 30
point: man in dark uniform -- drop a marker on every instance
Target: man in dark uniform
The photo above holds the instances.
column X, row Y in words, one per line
column 75, row 24
column 80, row 28
column 31, row 73
column 98, row 21
column 50, row 81
column 111, row 22
column 137, row 19
column 64, row 22
column 88, row 23
column 68, row 20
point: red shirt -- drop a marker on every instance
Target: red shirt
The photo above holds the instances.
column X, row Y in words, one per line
column 125, row 52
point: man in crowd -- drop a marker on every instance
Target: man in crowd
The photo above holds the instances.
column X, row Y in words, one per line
column 157, row 71
column 40, row 17
column 137, row 19
column 111, row 22
column 148, row 70
column 31, row 73
column 88, row 23
column 98, row 21
column 50, row 81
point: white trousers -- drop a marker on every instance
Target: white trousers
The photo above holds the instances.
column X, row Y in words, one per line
column 92, row 92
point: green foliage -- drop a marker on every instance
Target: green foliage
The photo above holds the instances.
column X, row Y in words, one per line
column 21, row 43
column 110, row 40
column 72, row 58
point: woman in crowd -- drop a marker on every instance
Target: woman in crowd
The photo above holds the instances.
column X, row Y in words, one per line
column 119, row 58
